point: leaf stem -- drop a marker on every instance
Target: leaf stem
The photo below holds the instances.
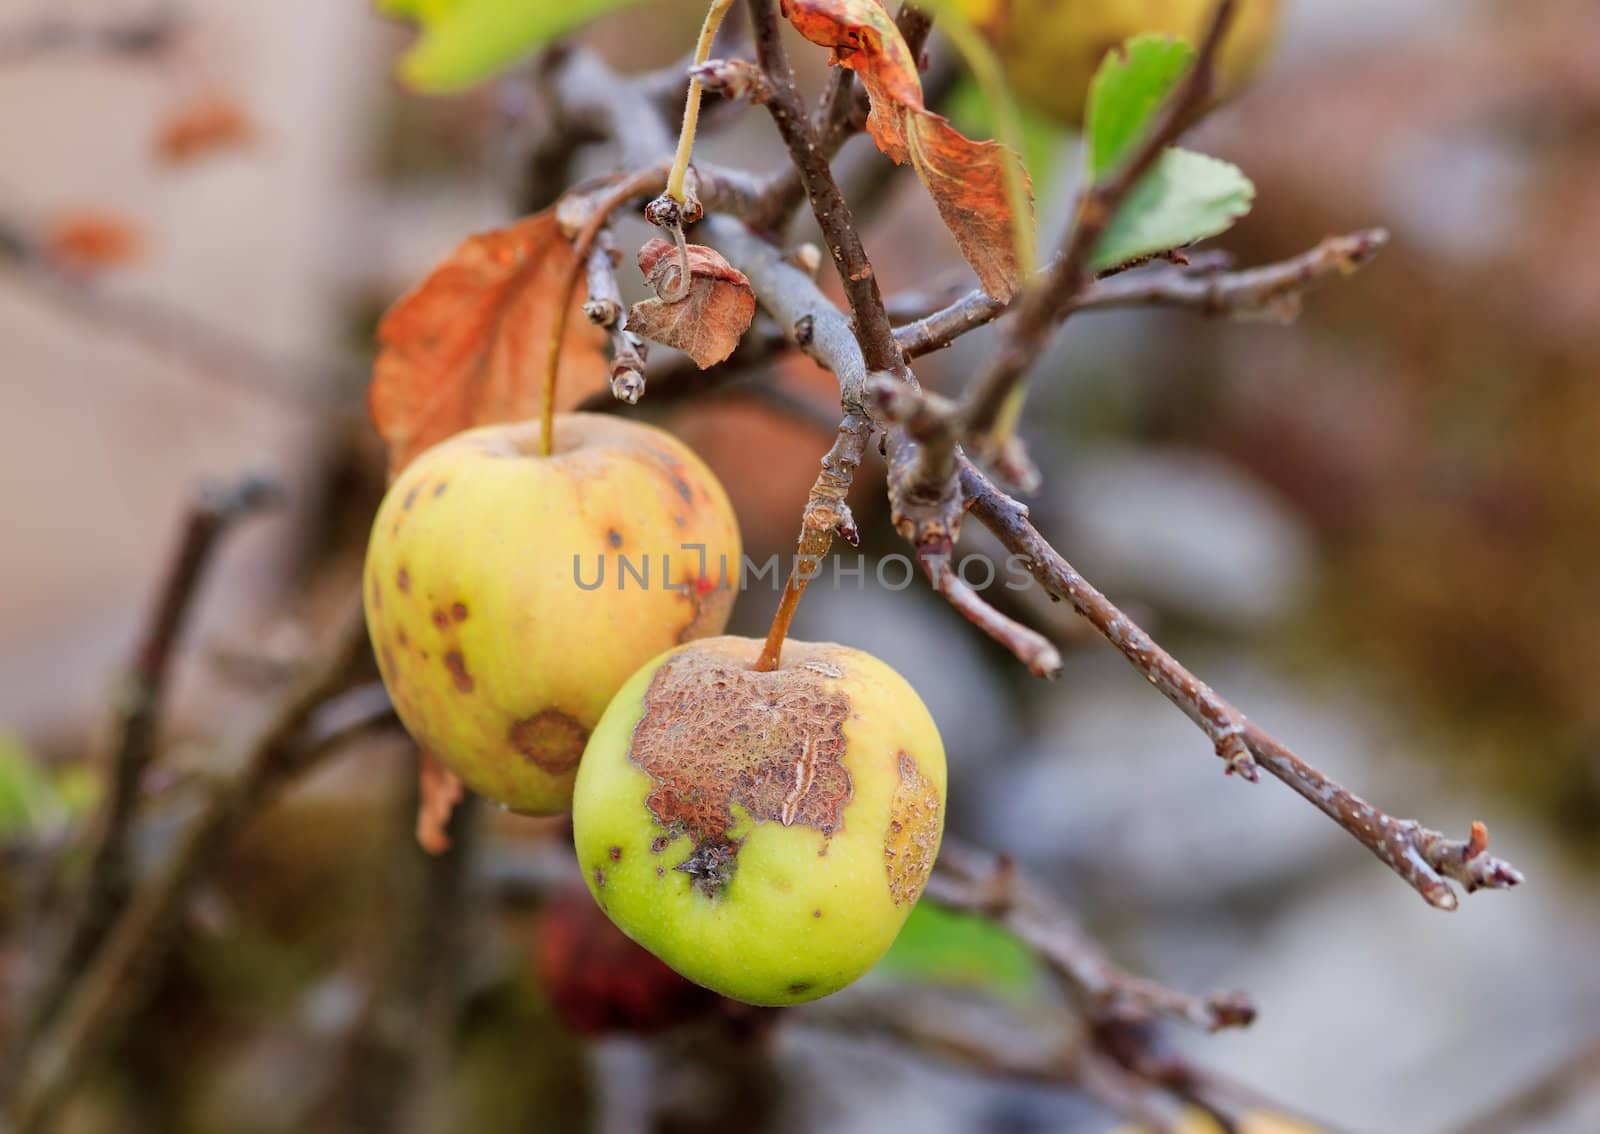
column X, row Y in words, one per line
column 985, row 68
column 691, row 105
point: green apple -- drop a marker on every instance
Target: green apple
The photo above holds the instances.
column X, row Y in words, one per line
column 765, row 834
column 1050, row 49
column 509, row 594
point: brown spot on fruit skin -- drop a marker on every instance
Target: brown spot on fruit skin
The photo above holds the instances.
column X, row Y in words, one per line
column 387, row 658
column 614, row 538
column 411, row 498
column 441, row 620
column 404, row 640
column 816, row 913
column 551, row 739
column 377, row 594
column 659, row 844
column 715, row 734
column 799, row 987
column 599, row 877
column 916, row 819
column 661, row 872
column 457, row 665
column 458, row 611
column 402, row 581
column 615, row 853
column 438, row 489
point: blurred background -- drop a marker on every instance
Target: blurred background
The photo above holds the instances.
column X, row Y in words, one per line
column 1375, row 530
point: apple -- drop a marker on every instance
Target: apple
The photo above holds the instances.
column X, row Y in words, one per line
column 1050, row 49
column 509, row 594
column 764, row 834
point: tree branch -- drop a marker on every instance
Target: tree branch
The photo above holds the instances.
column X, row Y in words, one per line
column 990, row 886
column 1424, row 858
column 990, row 407
column 1272, row 290
column 215, row 512
column 103, row 996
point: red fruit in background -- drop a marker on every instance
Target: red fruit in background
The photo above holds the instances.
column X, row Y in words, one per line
column 601, row 983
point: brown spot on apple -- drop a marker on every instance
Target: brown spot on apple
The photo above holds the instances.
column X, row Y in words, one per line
column 551, row 739
column 402, row 581
column 615, row 853
column 715, row 734
column 458, row 611
column 457, row 665
column 411, row 497
column 916, row 820
column 441, row 619
column 438, row 489
column 614, row 538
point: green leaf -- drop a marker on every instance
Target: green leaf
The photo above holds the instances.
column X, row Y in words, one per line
column 1183, row 198
column 466, row 41
column 938, row 946
column 1126, row 92
column 29, row 803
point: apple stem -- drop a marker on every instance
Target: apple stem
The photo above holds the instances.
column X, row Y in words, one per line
column 628, row 188
column 691, row 105
column 772, row 651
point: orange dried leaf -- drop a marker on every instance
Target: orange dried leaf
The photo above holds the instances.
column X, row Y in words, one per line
column 88, row 240
column 440, row 791
column 466, row 347
column 210, row 123
column 966, row 179
column 707, row 321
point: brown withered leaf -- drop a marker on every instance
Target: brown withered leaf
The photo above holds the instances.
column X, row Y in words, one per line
column 966, row 179
column 440, row 791
column 707, row 322
column 467, row 346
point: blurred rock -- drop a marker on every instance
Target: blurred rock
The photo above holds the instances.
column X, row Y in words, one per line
column 1182, row 530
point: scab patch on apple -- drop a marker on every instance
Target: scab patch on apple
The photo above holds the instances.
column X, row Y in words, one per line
column 715, row 733
column 916, row 818
column 551, row 739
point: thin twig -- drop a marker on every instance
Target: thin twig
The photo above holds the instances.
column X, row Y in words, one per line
column 823, row 332
column 973, row 881
column 104, row 995
column 1426, row 859
column 216, row 510
column 841, row 114
column 1272, row 290
column 144, row 35
column 991, row 406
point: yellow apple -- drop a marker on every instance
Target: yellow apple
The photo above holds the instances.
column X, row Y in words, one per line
column 509, row 595
column 1050, row 49
column 764, row 834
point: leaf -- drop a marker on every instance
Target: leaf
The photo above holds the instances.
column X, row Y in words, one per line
column 30, row 804
column 1042, row 137
column 939, row 946
column 466, row 347
column 466, row 41
column 707, row 322
column 439, row 791
column 1183, row 198
column 1125, row 93
column 966, row 179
